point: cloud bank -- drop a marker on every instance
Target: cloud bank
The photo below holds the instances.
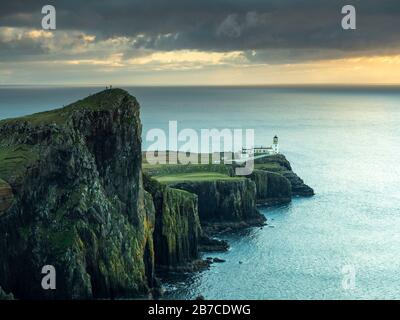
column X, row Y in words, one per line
column 181, row 34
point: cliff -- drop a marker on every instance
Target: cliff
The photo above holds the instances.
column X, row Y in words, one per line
column 6, row 196
column 272, row 188
column 177, row 226
column 223, row 200
column 72, row 197
column 225, row 203
column 222, row 197
column 280, row 165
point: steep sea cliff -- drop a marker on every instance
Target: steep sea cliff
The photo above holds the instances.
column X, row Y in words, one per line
column 78, row 201
column 73, row 195
column 177, row 226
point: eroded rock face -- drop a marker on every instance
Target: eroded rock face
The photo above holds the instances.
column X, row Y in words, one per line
column 6, row 196
column 299, row 188
column 79, row 203
column 5, row 296
column 223, row 200
column 280, row 165
column 177, row 227
column 272, row 188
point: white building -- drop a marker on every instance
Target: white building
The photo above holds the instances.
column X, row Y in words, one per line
column 275, row 144
column 260, row 150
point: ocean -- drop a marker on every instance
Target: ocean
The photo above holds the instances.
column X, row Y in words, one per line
column 343, row 141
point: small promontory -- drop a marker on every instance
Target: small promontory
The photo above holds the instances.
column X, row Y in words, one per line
column 76, row 194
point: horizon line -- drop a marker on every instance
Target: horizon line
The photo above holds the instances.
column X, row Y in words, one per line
column 206, row 85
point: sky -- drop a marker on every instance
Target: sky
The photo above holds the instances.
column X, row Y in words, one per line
column 203, row 42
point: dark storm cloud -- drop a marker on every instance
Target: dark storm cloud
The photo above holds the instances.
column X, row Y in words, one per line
column 222, row 25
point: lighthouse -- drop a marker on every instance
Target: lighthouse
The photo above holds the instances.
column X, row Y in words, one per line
column 275, row 144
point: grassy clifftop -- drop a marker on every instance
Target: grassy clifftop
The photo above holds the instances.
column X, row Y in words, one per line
column 21, row 139
column 104, row 100
column 222, row 196
column 195, row 177
column 171, row 169
column 174, row 173
column 15, row 159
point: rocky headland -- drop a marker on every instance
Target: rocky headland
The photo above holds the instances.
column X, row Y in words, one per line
column 75, row 194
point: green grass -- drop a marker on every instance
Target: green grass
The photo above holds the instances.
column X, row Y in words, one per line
column 195, row 177
column 100, row 101
column 47, row 117
column 3, row 183
column 271, row 166
column 14, row 160
column 172, row 169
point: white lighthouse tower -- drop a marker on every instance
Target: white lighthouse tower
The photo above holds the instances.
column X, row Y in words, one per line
column 275, row 145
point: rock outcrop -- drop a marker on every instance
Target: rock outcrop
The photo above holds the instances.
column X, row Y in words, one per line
column 224, row 205
column 177, row 226
column 299, row 188
column 280, row 165
column 272, row 188
column 5, row 296
column 77, row 201
column 223, row 200
column 6, row 196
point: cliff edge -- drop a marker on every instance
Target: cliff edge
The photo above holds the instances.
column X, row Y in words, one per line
column 280, row 165
column 71, row 196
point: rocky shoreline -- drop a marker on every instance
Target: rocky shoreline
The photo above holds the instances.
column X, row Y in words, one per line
column 74, row 194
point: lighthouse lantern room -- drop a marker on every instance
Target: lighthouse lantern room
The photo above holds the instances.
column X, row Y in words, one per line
column 275, row 144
